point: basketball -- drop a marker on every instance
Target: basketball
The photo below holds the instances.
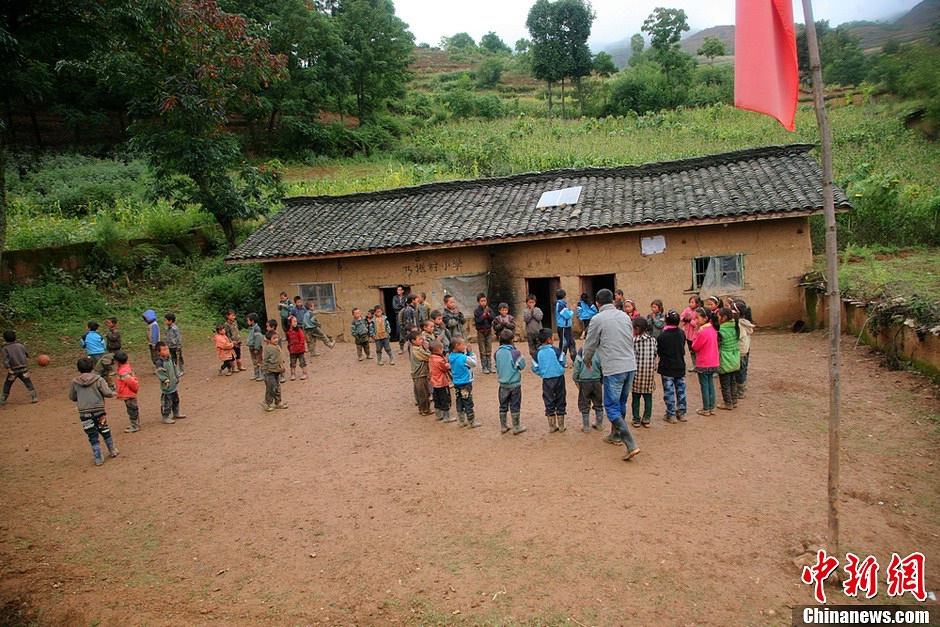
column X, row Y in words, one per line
column 43, row 360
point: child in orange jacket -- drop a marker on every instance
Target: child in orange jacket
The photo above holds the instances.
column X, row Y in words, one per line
column 440, row 382
column 225, row 349
column 127, row 387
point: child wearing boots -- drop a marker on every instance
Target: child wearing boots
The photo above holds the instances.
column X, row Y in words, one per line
column 590, row 382
column 235, row 336
column 169, row 383
column 729, row 358
column 670, row 348
column 273, row 365
column 644, row 349
column 225, row 349
column 174, row 339
column 549, row 363
column 16, row 363
column 255, row 343
column 313, row 332
column 532, row 317
column 127, row 387
column 462, row 363
column 296, row 348
column 420, row 372
column 89, row 390
column 440, row 382
column 483, row 317
column 359, row 330
column 509, row 366
column 381, row 332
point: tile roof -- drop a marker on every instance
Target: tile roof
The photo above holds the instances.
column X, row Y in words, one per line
column 771, row 181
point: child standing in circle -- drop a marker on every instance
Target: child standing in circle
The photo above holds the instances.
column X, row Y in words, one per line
column 705, row 346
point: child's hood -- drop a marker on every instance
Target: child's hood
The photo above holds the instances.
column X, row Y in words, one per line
column 150, row 316
column 86, row 378
column 124, row 369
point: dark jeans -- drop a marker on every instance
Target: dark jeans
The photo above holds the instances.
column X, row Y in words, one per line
column 590, row 393
column 616, row 391
column 94, row 424
column 706, row 381
column 464, row 395
column 485, row 342
column 238, row 351
column 742, row 372
column 554, row 395
column 729, row 387
column 272, row 388
column 586, row 324
column 363, row 348
column 422, row 394
column 22, row 375
column 566, row 342
column 647, row 405
column 176, row 355
column 170, row 401
column 381, row 345
column 533, row 344
column 441, row 398
column 674, row 395
column 510, row 399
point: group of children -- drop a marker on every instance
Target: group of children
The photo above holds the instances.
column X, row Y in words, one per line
column 716, row 334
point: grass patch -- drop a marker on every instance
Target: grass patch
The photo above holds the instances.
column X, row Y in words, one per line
column 875, row 273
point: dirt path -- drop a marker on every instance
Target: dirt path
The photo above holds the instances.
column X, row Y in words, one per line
column 349, row 508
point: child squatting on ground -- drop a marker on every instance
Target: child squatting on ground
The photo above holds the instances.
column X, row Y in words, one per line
column 509, row 366
column 462, row 363
column 16, row 363
column 549, row 363
column 89, row 390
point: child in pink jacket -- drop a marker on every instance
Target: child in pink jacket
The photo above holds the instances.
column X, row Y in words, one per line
column 705, row 346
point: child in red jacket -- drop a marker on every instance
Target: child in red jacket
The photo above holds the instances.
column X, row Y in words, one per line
column 127, row 386
column 297, row 348
column 440, row 382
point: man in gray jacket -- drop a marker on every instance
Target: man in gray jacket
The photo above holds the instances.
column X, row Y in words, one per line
column 611, row 337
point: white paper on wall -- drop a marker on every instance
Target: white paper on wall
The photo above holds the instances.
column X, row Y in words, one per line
column 652, row 245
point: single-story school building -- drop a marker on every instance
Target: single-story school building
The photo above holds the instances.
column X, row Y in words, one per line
column 735, row 223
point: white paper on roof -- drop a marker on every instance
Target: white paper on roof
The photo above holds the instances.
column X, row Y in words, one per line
column 554, row 198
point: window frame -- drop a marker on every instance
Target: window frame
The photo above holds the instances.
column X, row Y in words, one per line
column 722, row 286
column 317, row 302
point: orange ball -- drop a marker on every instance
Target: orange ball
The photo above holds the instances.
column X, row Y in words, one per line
column 43, row 360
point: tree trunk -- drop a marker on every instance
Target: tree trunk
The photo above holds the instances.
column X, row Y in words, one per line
column 580, row 87
column 563, row 116
column 271, row 120
column 36, row 134
column 228, row 227
column 549, row 99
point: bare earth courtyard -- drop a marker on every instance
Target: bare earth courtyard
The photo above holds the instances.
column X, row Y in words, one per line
column 350, row 508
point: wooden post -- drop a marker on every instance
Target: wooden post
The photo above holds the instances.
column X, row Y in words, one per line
column 832, row 274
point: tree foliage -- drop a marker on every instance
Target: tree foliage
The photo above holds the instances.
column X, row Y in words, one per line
column 839, row 52
column 491, row 42
column 458, row 42
column 665, row 28
column 560, row 31
column 712, row 47
column 603, row 64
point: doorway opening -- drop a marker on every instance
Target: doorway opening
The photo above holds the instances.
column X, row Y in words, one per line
column 592, row 284
column 386, row 294
column 544, row 289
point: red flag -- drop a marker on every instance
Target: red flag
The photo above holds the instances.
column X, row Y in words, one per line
column 766, row 78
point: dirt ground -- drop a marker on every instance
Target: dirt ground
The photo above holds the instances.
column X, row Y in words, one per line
column 350, row 508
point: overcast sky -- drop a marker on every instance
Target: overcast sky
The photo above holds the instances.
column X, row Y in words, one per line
column 429, row 20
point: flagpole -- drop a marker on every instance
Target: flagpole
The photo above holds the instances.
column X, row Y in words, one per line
column 832, row 274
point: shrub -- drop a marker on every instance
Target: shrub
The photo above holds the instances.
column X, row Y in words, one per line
column 57, row 297
column 239, row 287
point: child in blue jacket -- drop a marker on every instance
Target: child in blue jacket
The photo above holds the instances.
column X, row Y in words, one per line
column 509, row 366
column 563, row 317
column 92, row 342
column 549, row 364
column 586, row 311
column 462, row 363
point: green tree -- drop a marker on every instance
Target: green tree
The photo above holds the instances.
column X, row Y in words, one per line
column 604, row 64
column 548, row 53
column 637, row 43
column 712, row 47
column 379, row 49
column 191, row 65
column 458, row 42
column 574, row 19
column 842, row 58
column 559, row 32
column 489, row 72
column 665, row 28
column 492, row 43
